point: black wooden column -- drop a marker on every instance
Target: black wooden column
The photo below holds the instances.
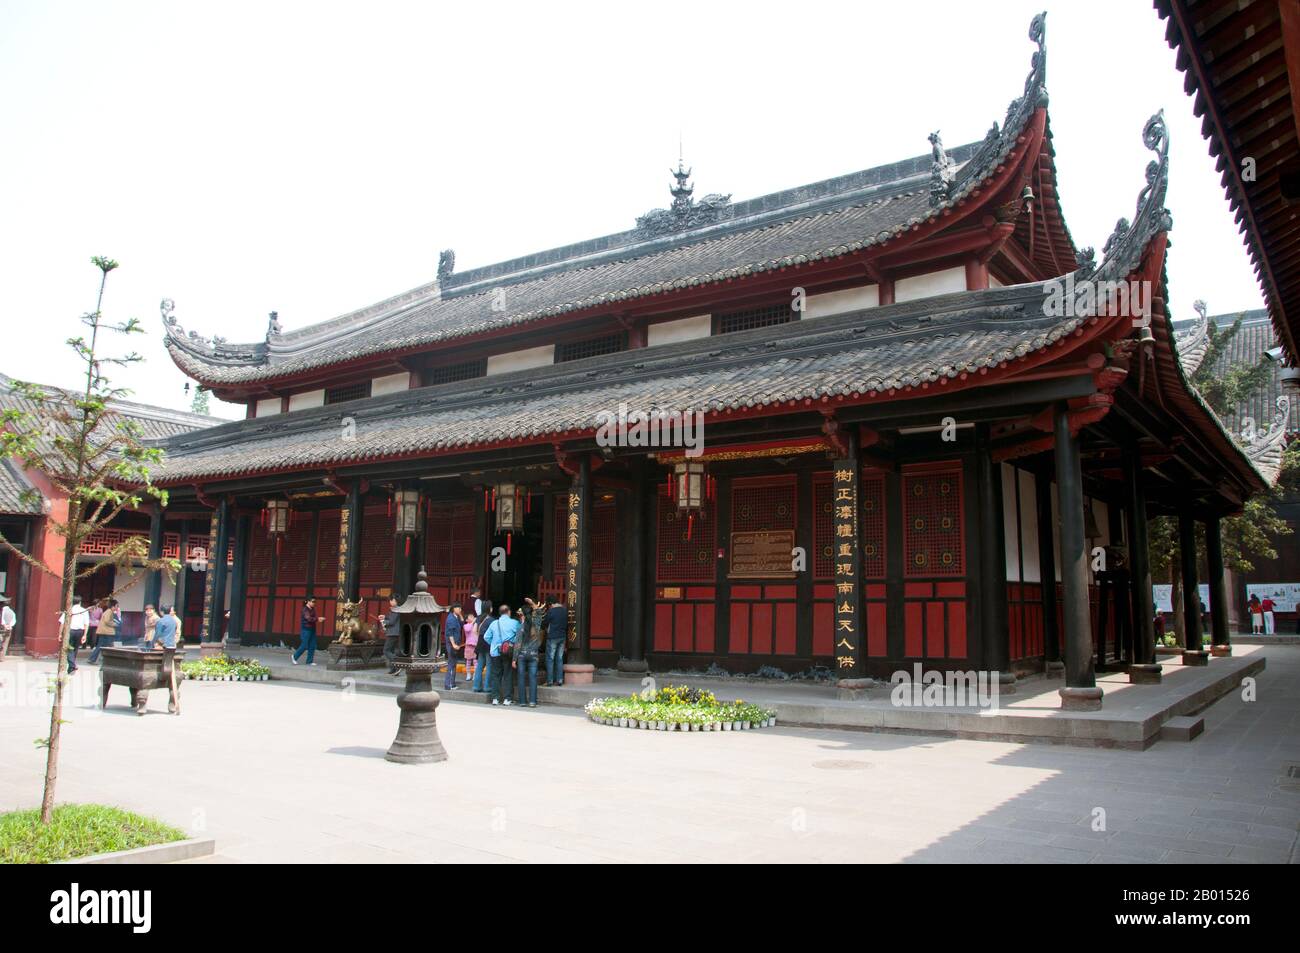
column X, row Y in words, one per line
column 222, row 546
column 153, row 582
column 350, row 516
column 995, row 629
column 1080, row 692
column 182, row 578
column 633, row 563
column 1144, row 669
column 850, row 637
column 239, row 580
column 1193, row 653
column 1218, row 589
column 1047, row 572
column 214, row 595
column 577, row 576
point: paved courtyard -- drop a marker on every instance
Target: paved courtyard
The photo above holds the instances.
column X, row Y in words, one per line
column 295, row 773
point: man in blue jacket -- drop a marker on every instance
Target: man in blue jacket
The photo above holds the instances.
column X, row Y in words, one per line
column 501, row 636
column 453, row 633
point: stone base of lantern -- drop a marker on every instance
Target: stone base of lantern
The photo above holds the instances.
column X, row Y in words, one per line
column 417, row 740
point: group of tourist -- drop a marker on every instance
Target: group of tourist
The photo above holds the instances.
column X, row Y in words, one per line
column 503, row 650
column 1262, row 619
column 99, row 625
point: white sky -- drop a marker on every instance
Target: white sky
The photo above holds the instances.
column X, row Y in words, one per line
column 313, row 158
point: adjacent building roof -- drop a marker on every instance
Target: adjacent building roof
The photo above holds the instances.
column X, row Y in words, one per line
column 1266, row 421
column 1235, row 56
column 156, row 423
column 17, row 495
column 690, row 245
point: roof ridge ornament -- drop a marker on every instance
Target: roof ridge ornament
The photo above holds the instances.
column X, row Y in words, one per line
column 685, row 213
column 1265, row 450
column 1193, row 344
column 446, row 264
column 997, row 140
column 1123, row 249
column 943, row 171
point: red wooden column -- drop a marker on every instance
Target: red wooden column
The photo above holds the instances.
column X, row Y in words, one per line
column 977, row 275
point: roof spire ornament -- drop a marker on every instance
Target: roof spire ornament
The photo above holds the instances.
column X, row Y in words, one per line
column 685, row 213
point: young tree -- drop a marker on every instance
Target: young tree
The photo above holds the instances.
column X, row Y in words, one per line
column 200, row 404
column 98, row 460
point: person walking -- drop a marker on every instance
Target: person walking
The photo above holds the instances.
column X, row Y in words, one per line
column 106, row 632
column 95, row 612
column 557, row 630
column 1270, row 621
column 166, row 628
column 1256, row 610
column 530, row 648
column 307, row 633
column 453, row 634
column 501, row 636
column 8, row 622
column 482, row 655
column 389, row 620
column 150, row 625
column 77, row 624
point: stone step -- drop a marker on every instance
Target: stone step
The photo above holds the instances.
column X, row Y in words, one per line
column 1182, row 728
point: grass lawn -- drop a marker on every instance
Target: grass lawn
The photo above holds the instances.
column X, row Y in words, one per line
column 77, row 830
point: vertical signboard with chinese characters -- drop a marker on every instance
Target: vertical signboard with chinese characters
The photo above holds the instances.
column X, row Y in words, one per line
column 210, row 582
column 572, row 557
column 848, row 614
column 345, row 523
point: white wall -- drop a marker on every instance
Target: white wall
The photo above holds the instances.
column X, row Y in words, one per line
column 1009, row 520
column 390, row 384
column 1029, row 527
column 682, row 329
column 308, row 398
column 926, row 286
column 521, row 360
column 842, row 302
column 267, row 406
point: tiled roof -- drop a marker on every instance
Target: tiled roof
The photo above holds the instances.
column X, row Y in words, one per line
column 857, row 355
column 13, row 487
column 156, row 423
column 821, row 221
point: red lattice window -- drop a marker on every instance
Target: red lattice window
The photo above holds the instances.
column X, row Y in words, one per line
column 934, row 544
column 376, row 554
column 678, row 559
column 449, row 539
column 292, row 565
column 823, row 527
column 604, row 528
column 763, row 505
column 327, row 548
column 871, row 514
column 259, row 556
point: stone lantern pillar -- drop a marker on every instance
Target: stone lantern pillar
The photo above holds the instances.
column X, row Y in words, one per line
column 419, row 632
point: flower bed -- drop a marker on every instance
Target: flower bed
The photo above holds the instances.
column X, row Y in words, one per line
column 679, row 708
column 223, row 668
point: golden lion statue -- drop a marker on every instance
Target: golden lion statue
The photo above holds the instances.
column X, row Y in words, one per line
column 349, row 626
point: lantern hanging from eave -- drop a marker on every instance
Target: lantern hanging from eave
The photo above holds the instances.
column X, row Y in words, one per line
column 407, row 522
column 275, row 517
column 691, row 488
column 507, row 501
